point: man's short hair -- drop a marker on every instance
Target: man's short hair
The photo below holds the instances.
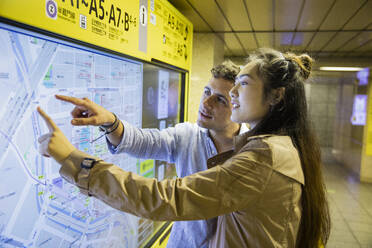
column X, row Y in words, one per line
column 227, row 70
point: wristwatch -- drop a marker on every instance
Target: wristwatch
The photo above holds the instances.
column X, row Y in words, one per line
column 88, row 163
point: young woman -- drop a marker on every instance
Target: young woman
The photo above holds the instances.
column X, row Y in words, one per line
column 266, row 192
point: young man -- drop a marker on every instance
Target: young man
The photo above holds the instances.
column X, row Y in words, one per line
column 187, row 145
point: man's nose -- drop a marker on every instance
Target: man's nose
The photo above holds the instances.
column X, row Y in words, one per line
column 207, row 102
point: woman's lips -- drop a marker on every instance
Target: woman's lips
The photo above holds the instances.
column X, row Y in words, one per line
column 235, row 105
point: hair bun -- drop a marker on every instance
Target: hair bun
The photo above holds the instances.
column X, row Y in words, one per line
column 304, row 62
column 306, row 65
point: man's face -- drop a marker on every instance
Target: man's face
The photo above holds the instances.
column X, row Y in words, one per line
column 215, row 106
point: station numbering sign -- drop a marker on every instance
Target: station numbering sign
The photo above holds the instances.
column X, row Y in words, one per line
column 145, row 29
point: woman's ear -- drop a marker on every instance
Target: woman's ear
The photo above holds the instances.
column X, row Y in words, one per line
column 277, row 95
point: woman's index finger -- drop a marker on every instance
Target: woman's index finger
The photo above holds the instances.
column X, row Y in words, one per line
column 50, row 123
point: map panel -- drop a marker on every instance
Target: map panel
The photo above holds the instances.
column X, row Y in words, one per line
column 37, row 207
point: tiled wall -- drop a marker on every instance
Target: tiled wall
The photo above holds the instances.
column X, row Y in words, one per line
column 322, row 94
column 207, row 52
column 348, row 139
column 366, row 164
column 331, row 102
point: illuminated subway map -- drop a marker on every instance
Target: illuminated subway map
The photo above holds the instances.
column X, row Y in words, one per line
column 37, row 207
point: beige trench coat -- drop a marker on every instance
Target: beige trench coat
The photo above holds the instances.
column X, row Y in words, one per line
column 255, row 190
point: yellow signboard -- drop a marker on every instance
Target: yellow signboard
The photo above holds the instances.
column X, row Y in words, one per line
column 110, row 24
column 124, row 26
column 171, row 34
column 369, row 123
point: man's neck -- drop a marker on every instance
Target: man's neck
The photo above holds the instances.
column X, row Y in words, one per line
column 223, row 139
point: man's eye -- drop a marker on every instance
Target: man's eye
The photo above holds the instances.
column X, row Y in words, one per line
column 220, row 99
column 207, row 92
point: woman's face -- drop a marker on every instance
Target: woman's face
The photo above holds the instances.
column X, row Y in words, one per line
column 247, row 97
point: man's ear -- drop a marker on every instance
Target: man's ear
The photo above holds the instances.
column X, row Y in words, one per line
column 277, row 95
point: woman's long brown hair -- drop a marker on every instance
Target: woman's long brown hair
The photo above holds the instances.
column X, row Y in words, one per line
column 290, row 117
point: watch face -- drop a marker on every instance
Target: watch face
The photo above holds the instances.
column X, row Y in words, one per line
column 87, row 163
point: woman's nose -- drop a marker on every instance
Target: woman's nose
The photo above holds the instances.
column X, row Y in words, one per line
column 234, row 91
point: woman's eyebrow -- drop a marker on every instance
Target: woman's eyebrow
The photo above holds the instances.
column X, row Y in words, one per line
column 245, row 75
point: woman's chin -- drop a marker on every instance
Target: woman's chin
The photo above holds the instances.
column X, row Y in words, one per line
column 236, row 119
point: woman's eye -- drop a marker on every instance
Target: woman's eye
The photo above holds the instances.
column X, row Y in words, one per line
column 243, row 83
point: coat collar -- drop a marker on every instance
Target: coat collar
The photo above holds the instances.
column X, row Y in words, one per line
column 242, row 139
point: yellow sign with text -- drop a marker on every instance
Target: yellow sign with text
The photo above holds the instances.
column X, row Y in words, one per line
column 124, row 26
column 110, row 24
column 171, row 35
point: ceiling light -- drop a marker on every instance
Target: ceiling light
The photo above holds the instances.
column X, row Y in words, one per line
column 336, row 68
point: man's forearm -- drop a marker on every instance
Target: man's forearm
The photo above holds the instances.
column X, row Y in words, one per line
column 116, row 136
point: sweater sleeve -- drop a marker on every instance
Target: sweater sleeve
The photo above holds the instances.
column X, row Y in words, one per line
column 150, row 143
